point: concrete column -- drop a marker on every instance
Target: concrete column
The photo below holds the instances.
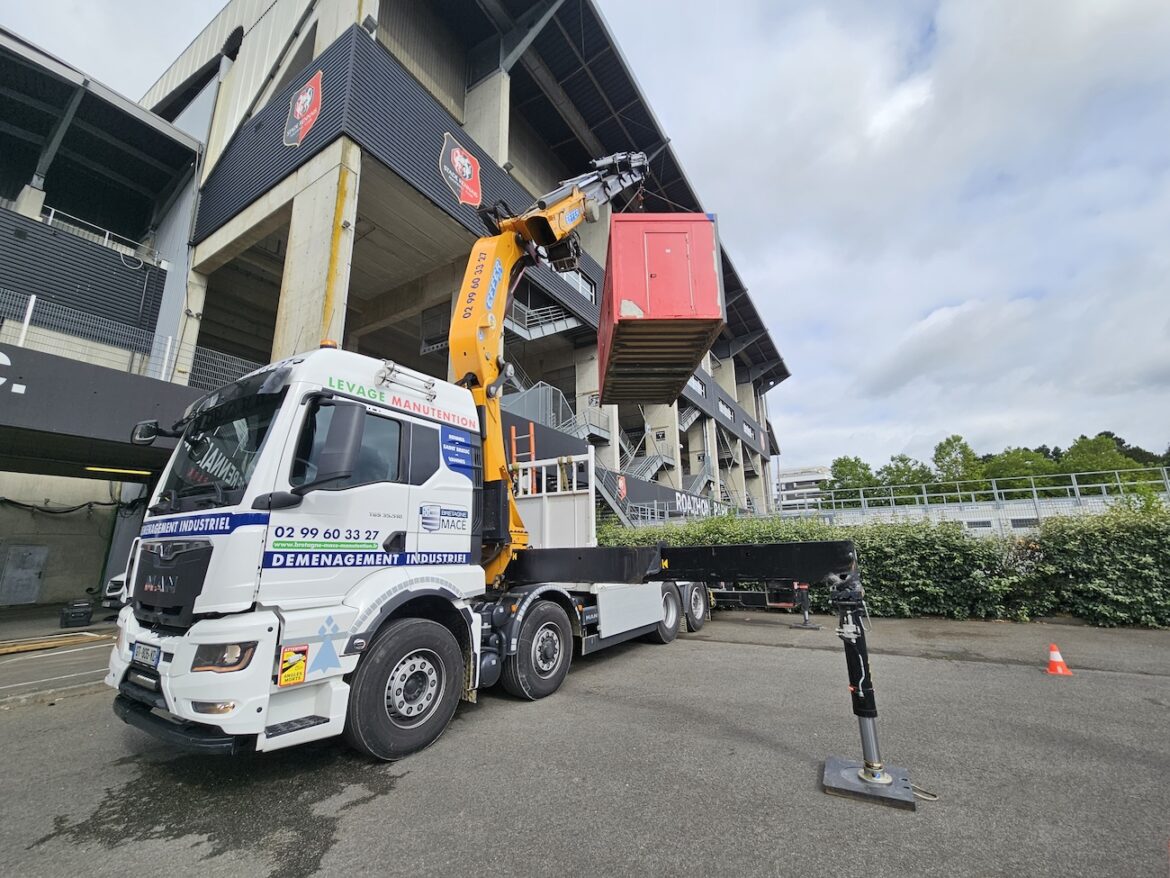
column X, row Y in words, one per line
column 664, row 419
column 701, row 440
column 315, row 286
column 189, row 324
column 595, row 236
column 486, row 113
column 735, row 474
column 723, row 372
column 586, row 391
column 745, row 395
column 30, row 201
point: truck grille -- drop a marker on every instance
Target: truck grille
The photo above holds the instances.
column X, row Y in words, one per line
column 168, row 579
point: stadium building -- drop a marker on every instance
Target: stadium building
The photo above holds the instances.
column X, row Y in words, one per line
column 284, row 181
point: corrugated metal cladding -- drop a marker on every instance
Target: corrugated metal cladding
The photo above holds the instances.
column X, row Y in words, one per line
column 395, row 120
column 257, row 159
column 58, row 267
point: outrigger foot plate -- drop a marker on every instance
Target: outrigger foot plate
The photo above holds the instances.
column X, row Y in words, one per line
column 842, row 778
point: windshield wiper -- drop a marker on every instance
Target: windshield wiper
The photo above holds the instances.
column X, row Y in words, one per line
column 211, row 487
column 166, row 503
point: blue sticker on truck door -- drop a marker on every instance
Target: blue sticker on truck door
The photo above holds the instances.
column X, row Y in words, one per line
column 456, row 445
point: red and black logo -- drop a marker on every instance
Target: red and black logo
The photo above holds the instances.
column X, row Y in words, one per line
column 303, row 110
column 460, row 170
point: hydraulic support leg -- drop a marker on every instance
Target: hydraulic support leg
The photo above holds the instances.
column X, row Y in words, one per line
column 869, row 778
column 801, row 589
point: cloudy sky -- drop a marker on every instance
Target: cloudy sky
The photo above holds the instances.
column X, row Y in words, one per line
column 954, row 216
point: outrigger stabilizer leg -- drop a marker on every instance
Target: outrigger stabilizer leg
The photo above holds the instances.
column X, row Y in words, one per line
column 871, row 778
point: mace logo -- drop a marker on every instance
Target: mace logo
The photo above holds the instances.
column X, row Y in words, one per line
column 15, row 387
column 430, row 518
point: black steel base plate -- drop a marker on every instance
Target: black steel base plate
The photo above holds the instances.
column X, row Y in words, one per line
column 841, row 779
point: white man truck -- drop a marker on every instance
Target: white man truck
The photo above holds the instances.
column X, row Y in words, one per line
column 335, row 546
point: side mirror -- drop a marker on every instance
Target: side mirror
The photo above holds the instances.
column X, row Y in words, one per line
column 342, row 443
column 144, row 433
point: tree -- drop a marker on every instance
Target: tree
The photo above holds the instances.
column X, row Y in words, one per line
column 1018, row 462
column 1133, row 452
column 1099, row 454
column 905, row 470
column 1054, row 453
column 851, row 472
column 956, row 461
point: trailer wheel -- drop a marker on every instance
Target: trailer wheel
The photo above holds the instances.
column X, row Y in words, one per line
column 671, row 615
column 696, row 606
column 543, row 653
column 405, row 689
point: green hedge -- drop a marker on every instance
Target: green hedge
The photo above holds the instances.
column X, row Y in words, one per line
column 1111, row 569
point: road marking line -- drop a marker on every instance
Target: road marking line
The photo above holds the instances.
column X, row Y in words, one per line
column 37, row 644
column 52, row 654
column 51, row 679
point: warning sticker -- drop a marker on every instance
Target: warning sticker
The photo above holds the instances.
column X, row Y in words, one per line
column 293, row 661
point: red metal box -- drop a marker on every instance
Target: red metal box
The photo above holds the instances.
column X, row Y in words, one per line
column 661, row 307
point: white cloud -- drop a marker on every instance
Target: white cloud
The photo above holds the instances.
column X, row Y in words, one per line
column 951, row 214
column 961, row 224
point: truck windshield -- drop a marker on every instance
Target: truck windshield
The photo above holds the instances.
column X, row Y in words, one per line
column 223, row 433
column 218, row 453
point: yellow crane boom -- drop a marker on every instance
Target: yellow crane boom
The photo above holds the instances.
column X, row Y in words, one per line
column 543, row 233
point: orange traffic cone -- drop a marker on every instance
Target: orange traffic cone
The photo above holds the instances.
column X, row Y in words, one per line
column 1056, row 663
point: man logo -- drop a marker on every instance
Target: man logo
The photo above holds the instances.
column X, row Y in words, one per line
column 430, row 517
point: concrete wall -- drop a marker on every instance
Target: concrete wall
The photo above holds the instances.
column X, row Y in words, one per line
column 533, row 164
column 76, row 542
column 418, row 38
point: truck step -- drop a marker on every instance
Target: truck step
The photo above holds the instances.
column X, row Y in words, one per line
column 294, row 725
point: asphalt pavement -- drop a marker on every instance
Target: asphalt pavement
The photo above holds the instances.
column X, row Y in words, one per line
column 698, row 758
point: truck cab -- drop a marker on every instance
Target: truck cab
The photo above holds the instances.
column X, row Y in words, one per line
column 310, row 565
column 301, row 506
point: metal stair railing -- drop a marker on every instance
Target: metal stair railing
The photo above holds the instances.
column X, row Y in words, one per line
column 532, row 323
column 607, row 487
column 687, row 417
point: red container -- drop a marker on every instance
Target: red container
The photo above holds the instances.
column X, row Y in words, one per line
column 661, row 306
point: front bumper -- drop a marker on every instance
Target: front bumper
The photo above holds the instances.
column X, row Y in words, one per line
column 188, row 735
column 172, row 686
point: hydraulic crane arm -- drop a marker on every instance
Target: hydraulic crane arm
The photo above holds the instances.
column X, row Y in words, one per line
column 543, row 233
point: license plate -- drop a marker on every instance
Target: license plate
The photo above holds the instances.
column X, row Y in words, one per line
column 145, row 654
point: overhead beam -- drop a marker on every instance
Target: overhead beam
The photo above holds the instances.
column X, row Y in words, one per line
column 725, row 350
column 53, row 143
column 82, row 125
column 547, row 82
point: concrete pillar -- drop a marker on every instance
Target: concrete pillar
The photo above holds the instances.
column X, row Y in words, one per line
column 701, row 441
column 189, row 323
column 30, row 201
column 735, row 474
column 586, row 392
column 338, row 16
column 664, row 419
column 745, row 395
column 723, row 371
column 595, row 236
column 486, row 113
column 315, row 285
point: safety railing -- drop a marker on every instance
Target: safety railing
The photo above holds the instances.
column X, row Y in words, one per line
column 31, row 322
column 1076, row 487
column 58, row 219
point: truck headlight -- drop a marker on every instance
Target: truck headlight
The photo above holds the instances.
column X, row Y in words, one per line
column 223, row 657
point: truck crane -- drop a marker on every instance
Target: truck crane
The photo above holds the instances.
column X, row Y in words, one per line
column 335, row 546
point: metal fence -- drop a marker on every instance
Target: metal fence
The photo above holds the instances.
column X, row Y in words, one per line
column 33, row 323
column 987, row 506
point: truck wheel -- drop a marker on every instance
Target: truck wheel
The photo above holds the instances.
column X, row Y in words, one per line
column 543, row 653
column 696, row 606
column 671, row 615
column 405, row 689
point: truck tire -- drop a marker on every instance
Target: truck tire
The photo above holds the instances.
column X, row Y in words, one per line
column 544, row 652
column 696, row 606
column 405, row 689
column 671, row 615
